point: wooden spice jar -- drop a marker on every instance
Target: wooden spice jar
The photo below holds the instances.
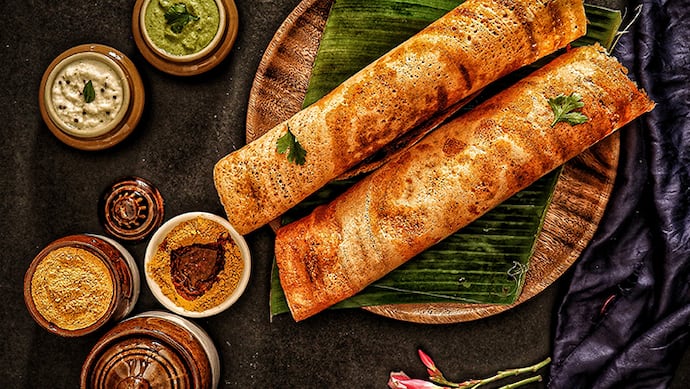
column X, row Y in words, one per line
column 154, row 349
column 78, row 283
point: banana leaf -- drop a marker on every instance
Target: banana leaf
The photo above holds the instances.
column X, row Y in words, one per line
column 484, row 262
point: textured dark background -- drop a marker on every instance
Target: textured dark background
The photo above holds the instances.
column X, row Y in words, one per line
column 49, row 190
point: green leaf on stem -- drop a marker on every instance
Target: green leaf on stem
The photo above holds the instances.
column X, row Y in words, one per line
column 289, row 144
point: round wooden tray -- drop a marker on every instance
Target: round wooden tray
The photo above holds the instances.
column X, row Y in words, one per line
column 580, row 198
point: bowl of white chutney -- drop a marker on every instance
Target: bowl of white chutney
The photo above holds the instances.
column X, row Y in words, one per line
column 91, row 97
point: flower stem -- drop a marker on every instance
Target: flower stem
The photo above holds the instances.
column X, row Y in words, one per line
column 536, row 378
column 512, row 372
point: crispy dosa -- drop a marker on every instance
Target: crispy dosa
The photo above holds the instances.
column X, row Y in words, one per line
column 454, row 57
column 454, row 175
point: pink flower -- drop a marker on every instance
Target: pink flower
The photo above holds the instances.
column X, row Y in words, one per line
column 401, row 380
column 431, row 368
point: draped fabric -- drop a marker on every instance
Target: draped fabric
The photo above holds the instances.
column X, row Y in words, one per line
column 625, row 317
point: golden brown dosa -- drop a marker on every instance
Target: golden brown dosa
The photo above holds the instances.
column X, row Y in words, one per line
column 453, row 176
column 459, row 54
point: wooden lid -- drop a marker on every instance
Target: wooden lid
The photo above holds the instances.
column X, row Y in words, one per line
column 131, row 208
column 152, row 350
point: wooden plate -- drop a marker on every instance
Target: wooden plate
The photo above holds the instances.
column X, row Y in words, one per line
column 580, row 198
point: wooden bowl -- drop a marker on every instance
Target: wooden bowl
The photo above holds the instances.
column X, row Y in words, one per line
column 188, row 65
column 122, row 123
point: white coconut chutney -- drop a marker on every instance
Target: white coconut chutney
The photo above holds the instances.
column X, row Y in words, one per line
column 67, row 104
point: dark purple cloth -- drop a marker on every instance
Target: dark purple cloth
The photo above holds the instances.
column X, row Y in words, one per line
column 625, row 317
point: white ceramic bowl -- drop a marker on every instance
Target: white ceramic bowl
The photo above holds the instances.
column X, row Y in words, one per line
column 160, row 235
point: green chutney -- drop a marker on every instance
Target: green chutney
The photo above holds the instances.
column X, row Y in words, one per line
column 195, row 35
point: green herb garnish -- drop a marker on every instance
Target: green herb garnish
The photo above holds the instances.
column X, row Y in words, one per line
column 177, row 17
column 89, row 92
column 563, row 109
column 288, row 143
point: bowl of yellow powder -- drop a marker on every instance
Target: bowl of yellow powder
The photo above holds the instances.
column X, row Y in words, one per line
column 197, row 265
column 78, row 283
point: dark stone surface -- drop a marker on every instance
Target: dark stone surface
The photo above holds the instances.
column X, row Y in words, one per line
column 50, row 190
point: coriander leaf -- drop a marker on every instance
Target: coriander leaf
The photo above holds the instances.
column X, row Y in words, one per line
column 563, row 109
column 178, row 17
column 574, row 118
column 88, row 92
column 288, row 143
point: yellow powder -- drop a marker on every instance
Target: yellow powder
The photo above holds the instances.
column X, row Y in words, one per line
column 200, row 231
column 72, row 288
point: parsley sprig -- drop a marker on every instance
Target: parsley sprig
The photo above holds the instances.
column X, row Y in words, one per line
column 288, row 144
column 178, row 17
column 564, row 109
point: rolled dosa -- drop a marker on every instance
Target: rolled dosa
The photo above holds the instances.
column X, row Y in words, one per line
column 450, row 178
column 454, row 57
